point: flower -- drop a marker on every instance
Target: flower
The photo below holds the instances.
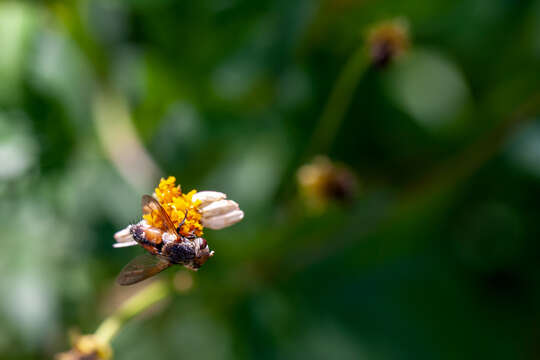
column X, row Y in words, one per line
column 387, row 41
column 322, row 181
column 193, row 211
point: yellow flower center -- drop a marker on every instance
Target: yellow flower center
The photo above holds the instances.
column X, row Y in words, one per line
column 176, row 205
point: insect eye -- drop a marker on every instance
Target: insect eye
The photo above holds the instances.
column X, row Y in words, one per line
column 203, row 244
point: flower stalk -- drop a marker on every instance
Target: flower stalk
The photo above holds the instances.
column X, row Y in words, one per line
column 384, row 42
column 339, row 101
column 139, row 302
column 97, row 346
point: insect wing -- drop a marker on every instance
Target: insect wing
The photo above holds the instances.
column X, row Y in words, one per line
column 149, row 204
column 141, row 268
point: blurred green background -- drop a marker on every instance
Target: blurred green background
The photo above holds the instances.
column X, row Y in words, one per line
column 436, row 256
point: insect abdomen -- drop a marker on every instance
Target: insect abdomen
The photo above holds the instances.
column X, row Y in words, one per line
column 178, row 253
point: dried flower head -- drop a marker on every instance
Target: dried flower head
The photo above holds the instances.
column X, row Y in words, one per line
column 387, row 41
column 86, row 347
column 322, row 181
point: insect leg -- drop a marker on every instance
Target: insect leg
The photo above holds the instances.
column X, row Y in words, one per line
column 183, row 222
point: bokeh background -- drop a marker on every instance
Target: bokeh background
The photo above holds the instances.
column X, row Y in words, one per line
column 435, row 256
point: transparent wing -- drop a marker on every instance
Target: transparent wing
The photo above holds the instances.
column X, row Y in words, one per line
column 141, row 268
column 149, row 204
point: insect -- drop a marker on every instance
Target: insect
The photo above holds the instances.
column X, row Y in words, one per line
column 164, row 247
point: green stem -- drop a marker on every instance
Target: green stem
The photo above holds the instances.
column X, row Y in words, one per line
column 139, row 302
column 338, row 102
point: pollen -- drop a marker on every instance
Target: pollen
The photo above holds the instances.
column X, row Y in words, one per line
column 177, row 205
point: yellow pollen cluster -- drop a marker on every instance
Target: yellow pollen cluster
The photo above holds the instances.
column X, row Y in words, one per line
column 175, row 204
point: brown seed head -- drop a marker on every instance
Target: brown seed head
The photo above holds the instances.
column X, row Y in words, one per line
column 388, row 40
column 322, row 181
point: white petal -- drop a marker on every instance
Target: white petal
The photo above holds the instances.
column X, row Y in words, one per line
column 222, row 221
column 124, row 244
column 207, row 197
column 123, row 235
column 220, row 207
